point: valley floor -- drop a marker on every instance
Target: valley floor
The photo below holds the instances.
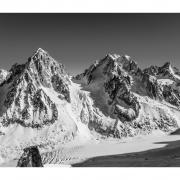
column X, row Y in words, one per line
column 166, row 155
column 142, row 151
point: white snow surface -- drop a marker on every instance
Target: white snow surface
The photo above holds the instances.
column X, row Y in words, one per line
column 3, row 75
column 165, row 81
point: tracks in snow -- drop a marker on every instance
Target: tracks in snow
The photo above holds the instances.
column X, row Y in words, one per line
column 62, row 156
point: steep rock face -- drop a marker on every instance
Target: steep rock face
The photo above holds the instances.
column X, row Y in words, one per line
column 132, row 97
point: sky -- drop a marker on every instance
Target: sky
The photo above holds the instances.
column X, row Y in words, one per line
column 78, row 40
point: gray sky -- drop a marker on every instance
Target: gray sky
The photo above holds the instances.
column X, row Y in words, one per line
column 77, row 40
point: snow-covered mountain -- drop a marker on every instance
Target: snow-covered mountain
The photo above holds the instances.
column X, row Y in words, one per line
column 41, row 104
column 137, row 101
column 34, row 100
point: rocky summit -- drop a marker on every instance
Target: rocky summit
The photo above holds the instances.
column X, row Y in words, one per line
column 41, row 104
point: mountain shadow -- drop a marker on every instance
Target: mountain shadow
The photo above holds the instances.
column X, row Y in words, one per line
column 168, row 156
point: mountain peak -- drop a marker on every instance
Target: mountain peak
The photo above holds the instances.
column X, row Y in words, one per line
column 166, row 68
column 40, row 51
column 167, row 65
column 42, row 57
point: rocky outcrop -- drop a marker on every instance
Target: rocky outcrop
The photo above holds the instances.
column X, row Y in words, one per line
column 151, row 85
column 30, row 158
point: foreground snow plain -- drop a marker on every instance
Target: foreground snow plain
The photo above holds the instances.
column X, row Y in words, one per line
column 153, row 150
column 144, row 151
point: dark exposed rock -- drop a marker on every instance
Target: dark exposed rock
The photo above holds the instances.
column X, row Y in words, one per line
column 2, row 133
column 150, row 83
column 30, row 158
column 152, row 70
column 60, row 87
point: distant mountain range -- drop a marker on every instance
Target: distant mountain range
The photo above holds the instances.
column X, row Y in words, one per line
column 41, row 104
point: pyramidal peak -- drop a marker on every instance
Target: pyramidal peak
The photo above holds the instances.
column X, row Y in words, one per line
column 41, row 59
column 40, row 50
column 167, row 65
column 39, row 53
